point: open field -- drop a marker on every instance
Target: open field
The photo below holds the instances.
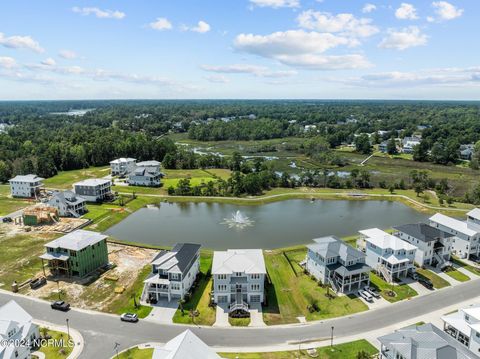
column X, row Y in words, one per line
column 340, row 351
column 9, row 204
column 293, row 292
column 201, row 297
column 402, row 291
column 65, row 179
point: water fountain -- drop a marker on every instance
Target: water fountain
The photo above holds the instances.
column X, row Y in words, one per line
column 238, row 220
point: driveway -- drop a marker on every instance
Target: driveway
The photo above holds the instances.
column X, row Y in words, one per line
column 256, row 315
column 452, row 281
column 163, row 311
column 377, row 303
column 417, row 287
column 222, row 316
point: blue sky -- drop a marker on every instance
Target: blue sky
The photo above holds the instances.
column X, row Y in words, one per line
column 239, row 49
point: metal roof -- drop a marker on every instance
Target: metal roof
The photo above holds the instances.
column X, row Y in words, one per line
column 454, row 224
column 249, row 261
column 26, row 178
column 77, row 240
column 333, row 246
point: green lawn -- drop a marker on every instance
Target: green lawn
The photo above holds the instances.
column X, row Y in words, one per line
column 54, row 351
column 340, row 351
column 123, row 303
column 402, row 291
column 239, row 322
column 136, row 353
column 201, row 297
column 65, row 179
column 455, row 274
column 8, row 204
column 474, row 270
column 437, row 281
column 292, row 292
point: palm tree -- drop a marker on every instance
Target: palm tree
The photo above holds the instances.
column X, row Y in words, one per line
column 181, row 302
column 362, row 354
column 193, row 314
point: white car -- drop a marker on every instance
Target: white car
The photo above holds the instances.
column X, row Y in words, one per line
column 365, row 295
column 129, row 317
column 372, row 291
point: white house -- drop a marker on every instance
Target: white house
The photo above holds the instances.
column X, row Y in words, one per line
column 467, row 233
column 387, row 254
column 122, row 166
column 331, row 260
column 184, row 346
column 173, row 272
column 434, row 246
column 27, row 186
column 422, row 342
column 94, row 189
column 408, row 143
column 238, row 277
column 68, row 203
column 464, row 326
column 151, row 164
column 16, row 329
column 145, row 176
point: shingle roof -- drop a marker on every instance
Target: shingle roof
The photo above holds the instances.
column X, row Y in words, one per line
column 69, row 197
column 385, row 240
column 423, row 232
column 425, row 342
column 76, row 240
column 250, row 261
column 151, row 163
column 92, row 182
column 333, row 246
column 178, row 259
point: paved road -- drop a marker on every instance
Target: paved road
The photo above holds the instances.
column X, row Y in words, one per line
column 102, row 331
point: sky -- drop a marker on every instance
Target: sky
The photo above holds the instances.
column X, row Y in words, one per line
column 248, row 49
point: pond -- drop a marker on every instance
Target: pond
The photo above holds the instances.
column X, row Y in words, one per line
column 273, row 225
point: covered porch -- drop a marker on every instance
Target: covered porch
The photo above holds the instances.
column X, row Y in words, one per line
column 348, row 279
column 157, row 288
column 57, row 263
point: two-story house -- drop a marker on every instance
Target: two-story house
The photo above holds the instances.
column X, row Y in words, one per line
column 387, row 254
column 467, row 233
column 408, row 144
column 145, row 176
column 94, row 189
column 173, row 273
column 27, row 186
column 422, row 342
column 122, row 166
column 68, row 203
column 464, row 326
column 332, row 261
column 18, row 333
column 238, row 278
column 434, row 246
column 76, row 254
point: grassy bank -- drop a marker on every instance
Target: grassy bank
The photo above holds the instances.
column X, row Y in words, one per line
column 457, row 275
column 136, row 353
column 402, row 291
column 9, row 204
column 239, row 322
column 340, row 351
column 55, row 351
column 475, row 270
column 437, row 281
column 65, row 179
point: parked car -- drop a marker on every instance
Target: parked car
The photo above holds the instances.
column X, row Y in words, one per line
column 426, row 283
column 7, row 220
column 413, row 275
column 60, row 305
column 372, row 291
column 129, row 317
column 38, row 282
column 365, row 295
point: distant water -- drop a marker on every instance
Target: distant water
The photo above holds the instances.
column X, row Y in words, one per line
column 278, row 224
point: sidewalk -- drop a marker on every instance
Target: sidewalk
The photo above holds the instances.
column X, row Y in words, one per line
column 76, row 336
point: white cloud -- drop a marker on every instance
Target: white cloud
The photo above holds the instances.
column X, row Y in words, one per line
column 161, row 24
column 445, row 11
column 7, row 62
column 345, row 24
column 259, row 71
column 20, row 42
column 49, row 62
column 101, row 14
column 404, row 38
column 67, row 54
column 276, row 3
column 202, row 27
column 406, row 12
column 219, row 79
column 368, row 8
column 302, row 49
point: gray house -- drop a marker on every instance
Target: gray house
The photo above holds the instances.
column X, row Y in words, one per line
column 145, row 176
column 94, row 189
column 424, row 341
column 68, row 203
column 332, row 261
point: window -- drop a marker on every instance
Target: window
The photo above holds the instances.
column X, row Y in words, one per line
column 222, row 276
column 255, row 276
column 255, row 287
column 238, row 274
column 222, row 287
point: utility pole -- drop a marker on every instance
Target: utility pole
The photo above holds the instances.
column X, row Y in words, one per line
column 116, row 348
column 68, row 329
column 331, row 338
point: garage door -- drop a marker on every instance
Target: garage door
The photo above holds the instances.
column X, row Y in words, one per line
column 222, row 299
column 255, row 299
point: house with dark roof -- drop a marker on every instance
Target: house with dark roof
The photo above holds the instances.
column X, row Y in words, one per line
column 422, row 342
column 173, row 273
column 332, row 261
column 434, row 246
column 145, row 176
column 68, row 203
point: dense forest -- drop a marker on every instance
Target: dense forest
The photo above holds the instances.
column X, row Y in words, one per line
column 43, row 138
